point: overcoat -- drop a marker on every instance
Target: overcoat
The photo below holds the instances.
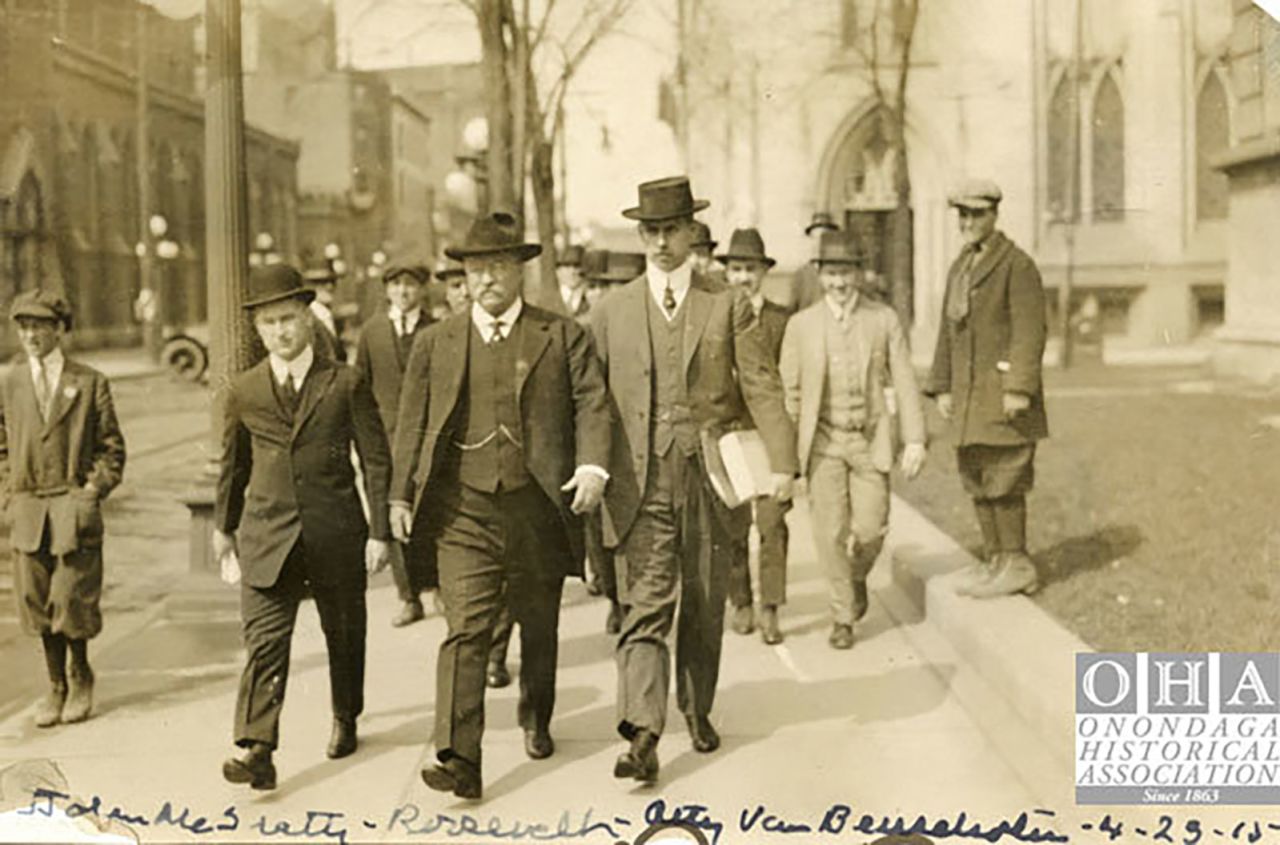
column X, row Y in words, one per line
column 997, row 348
column 382, row 363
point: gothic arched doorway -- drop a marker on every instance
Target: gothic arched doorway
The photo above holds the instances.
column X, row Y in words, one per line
column 24, row 229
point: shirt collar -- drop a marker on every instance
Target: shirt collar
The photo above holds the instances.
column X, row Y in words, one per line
column 572, row 296
column 483, row 320
column 680, row 278
column 757, row 301
column 50, row 363
column 410, row 317
column 839, row 311
column 298, row 367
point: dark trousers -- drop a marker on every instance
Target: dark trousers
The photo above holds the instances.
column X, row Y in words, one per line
column 600, row 558
column 998, row 479
column 413, row 567
column 267, row 617
column 495, row 550
column 677, row 554
column 771, row 522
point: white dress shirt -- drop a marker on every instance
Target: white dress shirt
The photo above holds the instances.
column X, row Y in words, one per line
column 404, row 321
column 325, row 316
column 483, row 320
column 297, row 368
column 572, row 297
column 680, row 279
column 840, row 312
column 51, row 368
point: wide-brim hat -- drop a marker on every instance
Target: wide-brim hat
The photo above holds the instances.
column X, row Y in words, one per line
column 665, row 199
column 746, row 245
column 609, row 267
column 41, row 305
column 838, row 248
column 702, row 236
column 275, row 283
column 570, row 256
column 978, row 194
column 496, row 234
column 821, row 220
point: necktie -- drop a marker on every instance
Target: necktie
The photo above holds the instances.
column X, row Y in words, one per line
column 958, row 304
column 495, row 334
column 402, row 325
column 43, row 391
column 669, row 300
column 290, row 394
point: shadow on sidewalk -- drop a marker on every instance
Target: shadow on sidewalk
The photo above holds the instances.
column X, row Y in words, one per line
column 1074, row 555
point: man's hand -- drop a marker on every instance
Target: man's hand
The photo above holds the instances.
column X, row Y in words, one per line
column 1015, row 403
column 376, row 555
column 588, row 489
column 781, row 486
column 945, row 406
column 225, row 552
column 913, row 455
column 401, row 521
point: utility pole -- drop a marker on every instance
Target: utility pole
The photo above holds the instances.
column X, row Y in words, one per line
column 1074, row 204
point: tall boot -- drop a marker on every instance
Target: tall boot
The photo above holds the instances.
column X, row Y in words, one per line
column 49, row 709
column 80, row 689
column 1016, row 573
column 986, row 568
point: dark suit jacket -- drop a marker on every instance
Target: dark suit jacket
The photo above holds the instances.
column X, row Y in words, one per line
column 378, row 358
column 773, row 323
column 81, row 436
column 728, row 372
column 299, row 476
column 563, row 409
column 326, row 343
column 997, row 348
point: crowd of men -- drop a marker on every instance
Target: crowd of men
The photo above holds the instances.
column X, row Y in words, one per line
column 488, row 449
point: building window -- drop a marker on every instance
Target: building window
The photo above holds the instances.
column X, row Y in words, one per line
column 1064, row 169
column 1108, row 151
column 1212, row 136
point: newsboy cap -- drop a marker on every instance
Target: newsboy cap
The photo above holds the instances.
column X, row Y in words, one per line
column 42, row 305
column 976, row 193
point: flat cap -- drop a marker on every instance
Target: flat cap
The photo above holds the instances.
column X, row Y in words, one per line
column 43, row 305
column 976, row 193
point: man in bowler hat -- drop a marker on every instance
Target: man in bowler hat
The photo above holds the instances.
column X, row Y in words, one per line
column 683, row 366
column 61, row 453
column 807, row 288
column 500, row 445
column 986, row 380
column 288, row 518
column 381, row 355
column 746, row 265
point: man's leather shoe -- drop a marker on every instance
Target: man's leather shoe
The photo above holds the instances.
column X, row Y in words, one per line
column 538, row 743
column 702, row 734
column 861, row 602
column 769, row 631
column 49, row 710
column 455, row 775
column 1017, row 574
column 744, row 619
column 79, row 696
column 342, row 742
column 254, row 768
column 640, row 761
column 437, row 602
column 841, row 637
column 978, row 574
column 497, row 676
column 613, row 624
column 594, row 588
column 409, row 613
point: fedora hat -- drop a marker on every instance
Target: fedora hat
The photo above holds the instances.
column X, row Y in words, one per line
column 570, row 256
column 42, row 305
column 821, row 220
column 495, row 234
column 837, row 248
column 746, row 245
column 601, row 265
column 273, row 283
column 702, row 236
column 322, row 273
column 449, row 269
column 665, row 199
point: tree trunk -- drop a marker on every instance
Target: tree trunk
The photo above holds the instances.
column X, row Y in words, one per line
column 497, row 90
column 901, row 236
column 542, row 177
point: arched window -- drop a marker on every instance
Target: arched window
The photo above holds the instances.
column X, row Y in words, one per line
column 1064, row 178
column 1212, row 136
column 1108, row 151
column 28, row 235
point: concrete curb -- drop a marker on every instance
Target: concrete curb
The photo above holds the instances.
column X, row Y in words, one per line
column 1017, row 648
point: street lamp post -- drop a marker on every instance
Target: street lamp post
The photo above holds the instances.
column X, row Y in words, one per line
column 150, row 306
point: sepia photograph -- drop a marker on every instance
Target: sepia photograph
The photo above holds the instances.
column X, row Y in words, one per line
column 640, row 421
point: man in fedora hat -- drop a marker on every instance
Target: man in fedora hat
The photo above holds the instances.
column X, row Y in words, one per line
column 703, row 252
column 62, row 453
column 746, row 265
column 683, row 366
column 850, row 388
column 573, row 288
column 986, row 380
column 807, row 289
column 288, row 519
column 500, row 447
column 327, row 329
column 381, row 355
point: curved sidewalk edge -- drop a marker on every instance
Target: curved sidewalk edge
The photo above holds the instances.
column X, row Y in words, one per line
column 1025, row 655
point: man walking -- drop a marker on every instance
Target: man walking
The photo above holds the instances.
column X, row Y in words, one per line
column 683, row 367
column 61, row 453
column 381, row 356
column 847, row 374
column 288, row 518
column 986, row 380
column 501, row 441
column 806, row 287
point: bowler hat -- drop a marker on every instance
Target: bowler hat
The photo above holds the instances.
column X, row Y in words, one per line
column 43, row 305
column 976, row 193
column 570, row 256
column 838, row 248
column 495, row 234
column 821, row 220
column 665, row 199
column 746, row 245
column 418, row 272
column 600, row 265
column 273, row 283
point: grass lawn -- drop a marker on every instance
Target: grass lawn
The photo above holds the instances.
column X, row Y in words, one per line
column 1155, row 519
